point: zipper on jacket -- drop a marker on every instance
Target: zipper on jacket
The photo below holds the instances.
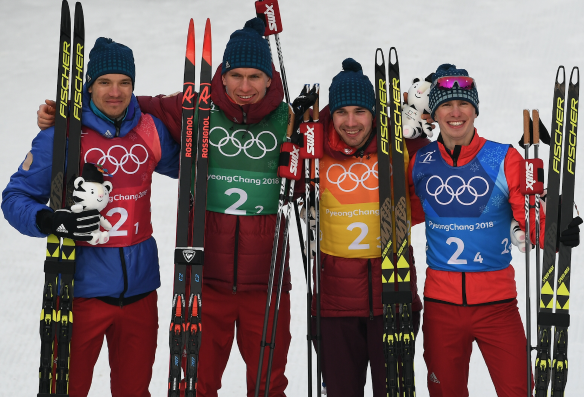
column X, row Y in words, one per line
column 464, row 303
column 370, row 288
column 125, row 272
column 244, row 116
column 234, row 288
column 118, row 125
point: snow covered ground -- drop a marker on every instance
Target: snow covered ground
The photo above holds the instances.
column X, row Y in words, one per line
column 512, row 49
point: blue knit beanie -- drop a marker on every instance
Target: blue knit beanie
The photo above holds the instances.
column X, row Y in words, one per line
column 247, row 48
column 351, row 88
column 107, row 57
column 439, row 96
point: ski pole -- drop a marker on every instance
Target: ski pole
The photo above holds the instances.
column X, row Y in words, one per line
column 288, row 172
column 269, row 12
column 526, row 143
column 312, row 149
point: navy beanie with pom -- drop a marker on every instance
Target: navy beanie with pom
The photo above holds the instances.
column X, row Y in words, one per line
column 247, row 48
column 107, row 57
column 439, row 96
column 351, row 88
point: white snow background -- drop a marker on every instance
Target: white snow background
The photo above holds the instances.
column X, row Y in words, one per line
column 511, row 48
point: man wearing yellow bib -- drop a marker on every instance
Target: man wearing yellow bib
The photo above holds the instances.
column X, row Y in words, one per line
column 351, row 309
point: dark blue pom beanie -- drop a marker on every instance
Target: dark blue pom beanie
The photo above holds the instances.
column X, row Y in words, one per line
column 247, row 48
column 107, row 57
column 439, row 96
column 351, row 88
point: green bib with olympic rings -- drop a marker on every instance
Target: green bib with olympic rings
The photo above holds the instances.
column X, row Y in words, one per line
column 243, row 163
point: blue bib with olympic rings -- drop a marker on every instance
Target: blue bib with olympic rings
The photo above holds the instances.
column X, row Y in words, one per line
column 467, row 209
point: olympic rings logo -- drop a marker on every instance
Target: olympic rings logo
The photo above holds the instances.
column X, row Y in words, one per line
column 123, row 161
column 445, row 187
column 358, row 180
column 254, row 141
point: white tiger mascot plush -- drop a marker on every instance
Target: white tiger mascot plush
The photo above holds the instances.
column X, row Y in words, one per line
column 91, row 192
column 418, row 103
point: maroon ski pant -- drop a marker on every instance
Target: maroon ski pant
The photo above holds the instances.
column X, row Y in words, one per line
column 226, row 315
column 449, row 332
column 348, row 345
column 130, row 332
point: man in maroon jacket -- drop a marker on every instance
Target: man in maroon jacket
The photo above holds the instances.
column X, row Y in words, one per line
column 351, row 308
column 248, row 124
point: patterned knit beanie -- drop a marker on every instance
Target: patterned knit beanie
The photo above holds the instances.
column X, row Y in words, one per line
column 351, row 88
column 248, row 49
column 438, row 96
column 107, row 57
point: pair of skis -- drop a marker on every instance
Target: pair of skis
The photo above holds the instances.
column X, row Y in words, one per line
column 563, row 140
column 185, row 325
column 398, row 336
column 57, row 307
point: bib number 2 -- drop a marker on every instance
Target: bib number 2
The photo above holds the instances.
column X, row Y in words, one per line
column 454, row 259
column 234, row 208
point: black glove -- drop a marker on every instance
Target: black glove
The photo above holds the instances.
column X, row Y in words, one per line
column 571, row 236
column 67, row 224
column 305, row 101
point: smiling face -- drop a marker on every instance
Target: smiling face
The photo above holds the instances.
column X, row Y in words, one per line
column 353, row 124
column 111, row 93
column 246, row 85
column 456, row 121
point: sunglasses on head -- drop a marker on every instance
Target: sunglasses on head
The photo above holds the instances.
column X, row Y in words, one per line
column 452, row 82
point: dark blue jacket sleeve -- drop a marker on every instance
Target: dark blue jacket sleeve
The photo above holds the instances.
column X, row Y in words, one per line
column 28, row 190
column 170, row 151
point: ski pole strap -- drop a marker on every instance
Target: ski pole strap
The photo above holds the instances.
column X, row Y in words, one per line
column 311, row 142
column 392, row 297
column 289, row 161
column 553, row 319
column 189, row 256
column 269, row 12
column 533, row 180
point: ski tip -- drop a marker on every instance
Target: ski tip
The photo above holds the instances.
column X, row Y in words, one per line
column 79, row 28
column 378, row 56
column 393, row 51
column 65, row 17
column 190, row 54
column 207, row 43
column 561, row 67
column 575, row 73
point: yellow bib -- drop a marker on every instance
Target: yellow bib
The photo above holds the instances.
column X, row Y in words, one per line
column 349, row 207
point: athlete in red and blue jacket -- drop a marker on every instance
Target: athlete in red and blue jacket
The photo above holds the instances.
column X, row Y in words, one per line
column 116, row 282
column 469, row 190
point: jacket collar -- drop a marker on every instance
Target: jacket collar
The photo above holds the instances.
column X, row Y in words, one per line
column 104, row 125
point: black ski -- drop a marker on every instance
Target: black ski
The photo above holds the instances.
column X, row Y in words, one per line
column 546, row 316
column 184, row 254
column 562, row 322
column 388, row 297
column 193, row 328
column 56, row 315
column 401, row 228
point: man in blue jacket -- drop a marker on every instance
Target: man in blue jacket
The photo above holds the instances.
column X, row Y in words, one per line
column 115, row 282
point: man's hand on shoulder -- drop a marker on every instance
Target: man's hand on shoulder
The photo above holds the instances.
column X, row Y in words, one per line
column 46, row 114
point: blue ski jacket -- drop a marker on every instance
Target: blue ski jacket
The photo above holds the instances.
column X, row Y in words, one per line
column 111, row 273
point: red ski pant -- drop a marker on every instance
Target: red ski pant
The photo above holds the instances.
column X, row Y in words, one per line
column 449, row 332
column 131, row 340
column 225, row 315
column 348, row 345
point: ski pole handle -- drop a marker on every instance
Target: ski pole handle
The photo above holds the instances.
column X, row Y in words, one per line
column 269, row 12
column 291, row 119
column 526, row 138
column 535, row 117
column 315, row 110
